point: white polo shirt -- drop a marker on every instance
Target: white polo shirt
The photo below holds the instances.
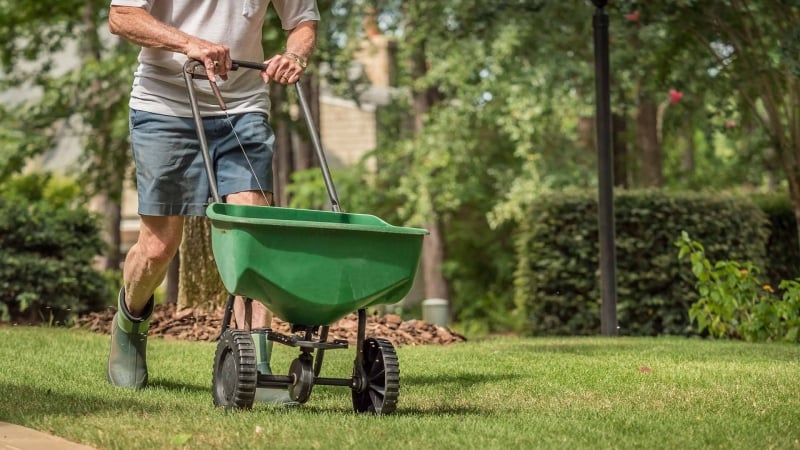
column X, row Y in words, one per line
column 158, row 84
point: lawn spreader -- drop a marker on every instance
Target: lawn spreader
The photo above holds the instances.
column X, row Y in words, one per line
column 310, row 268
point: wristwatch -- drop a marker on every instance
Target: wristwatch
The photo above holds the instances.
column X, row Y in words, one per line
column 300, row 60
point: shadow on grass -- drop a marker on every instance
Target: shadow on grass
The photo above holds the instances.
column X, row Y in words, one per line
column 402, row 411
column 29, row 401
column 171, row 385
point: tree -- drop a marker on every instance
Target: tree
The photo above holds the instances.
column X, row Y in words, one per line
column 445, row 174
column 495, row 107
column 88, row 99
column 755, row 48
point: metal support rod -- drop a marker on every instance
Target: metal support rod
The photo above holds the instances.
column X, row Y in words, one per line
column 282, row 381
column 188, row 71
column 323, row 337
column 608, row 261
column 362, row 332
column 346, row 382
column 312, row 130
column 226, row 317
column 189, row 75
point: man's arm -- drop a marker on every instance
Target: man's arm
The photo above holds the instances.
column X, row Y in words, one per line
column 141, row 28
column 287, row 68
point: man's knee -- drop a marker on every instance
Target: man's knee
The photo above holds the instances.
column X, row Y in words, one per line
column 262, row 198
column 159, row 252
column 160, row 238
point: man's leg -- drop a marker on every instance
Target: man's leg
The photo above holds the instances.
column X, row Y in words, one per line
column 144, row 269
column 148, row 260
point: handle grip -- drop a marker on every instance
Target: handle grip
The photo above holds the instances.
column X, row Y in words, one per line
column 236, row 64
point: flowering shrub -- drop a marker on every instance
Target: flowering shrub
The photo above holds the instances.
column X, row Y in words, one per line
column 734, row 304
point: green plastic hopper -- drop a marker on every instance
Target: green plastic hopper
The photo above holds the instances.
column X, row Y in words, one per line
column 312, row 267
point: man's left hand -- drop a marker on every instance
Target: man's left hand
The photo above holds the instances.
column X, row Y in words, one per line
column 286, row 68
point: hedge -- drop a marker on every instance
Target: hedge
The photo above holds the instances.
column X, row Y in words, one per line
column 783, row 257
column 558, row 270
column 46, row 255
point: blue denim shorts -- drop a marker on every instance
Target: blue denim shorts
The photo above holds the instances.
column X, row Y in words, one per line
column 170, row 172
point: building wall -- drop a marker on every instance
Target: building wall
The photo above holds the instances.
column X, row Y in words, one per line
column 347, row 131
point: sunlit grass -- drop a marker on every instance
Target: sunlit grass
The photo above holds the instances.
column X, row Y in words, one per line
column 501, row 393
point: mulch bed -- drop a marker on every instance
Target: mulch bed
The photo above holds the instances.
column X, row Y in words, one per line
column 196, row 324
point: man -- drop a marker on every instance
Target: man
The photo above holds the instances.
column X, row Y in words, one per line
column 171, row 180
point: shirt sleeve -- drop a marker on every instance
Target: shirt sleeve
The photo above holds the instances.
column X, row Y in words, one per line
column 136, row 3
column 293, row 12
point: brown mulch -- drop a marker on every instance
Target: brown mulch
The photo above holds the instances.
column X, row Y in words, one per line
column 200, row 324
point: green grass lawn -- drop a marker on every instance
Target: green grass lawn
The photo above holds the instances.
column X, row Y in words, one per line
column 504, row 393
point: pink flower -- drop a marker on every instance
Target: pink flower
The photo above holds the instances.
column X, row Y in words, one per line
column 730, row 124
column 675, row 96
column 633, row 16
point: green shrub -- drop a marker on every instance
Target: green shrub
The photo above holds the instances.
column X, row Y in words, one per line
column 733, row 303
column 783, row 257
column 556, row 281
column 46, row 255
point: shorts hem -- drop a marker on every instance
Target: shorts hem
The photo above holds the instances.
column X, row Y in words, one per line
column 172, row 210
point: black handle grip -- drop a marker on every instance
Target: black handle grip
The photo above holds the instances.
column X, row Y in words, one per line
column 236, row 64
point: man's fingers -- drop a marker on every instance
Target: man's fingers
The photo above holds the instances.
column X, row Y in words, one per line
column 216, row 59
column 283, row 69
column 210, row 69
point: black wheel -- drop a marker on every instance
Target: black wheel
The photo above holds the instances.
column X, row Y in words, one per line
column 379, row 378
column 303, row 374
column 235, row 376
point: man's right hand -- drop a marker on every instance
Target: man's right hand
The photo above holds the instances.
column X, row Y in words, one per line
column 138, row 26
column 215, row 57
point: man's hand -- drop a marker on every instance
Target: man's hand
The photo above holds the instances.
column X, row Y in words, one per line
column 285, row 68
column 215, row 57
column 289, row 66
column 138, row 26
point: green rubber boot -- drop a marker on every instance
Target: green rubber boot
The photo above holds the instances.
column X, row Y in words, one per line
column 278, row 396
column 127, row 364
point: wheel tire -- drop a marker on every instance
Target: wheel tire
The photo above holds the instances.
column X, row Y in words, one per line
column 235, row 375
column 379, row 378
column 303, row 374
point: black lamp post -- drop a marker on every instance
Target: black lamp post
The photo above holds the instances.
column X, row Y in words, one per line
column 605, row 160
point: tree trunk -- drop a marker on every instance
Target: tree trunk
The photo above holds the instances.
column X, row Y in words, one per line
column 432, row 258
column 111, row 212
column 433, row 248
column 688, row 156
column 173, row 280
column 586, row 133
column 794, row 194
column 619, row 141
column 200, row 284
column 791, row 166
column 647, row 140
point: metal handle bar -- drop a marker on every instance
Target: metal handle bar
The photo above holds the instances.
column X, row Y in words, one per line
column 190, row 73
column 236, row 64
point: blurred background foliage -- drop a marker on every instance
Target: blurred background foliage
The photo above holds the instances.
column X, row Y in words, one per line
column 492, row 114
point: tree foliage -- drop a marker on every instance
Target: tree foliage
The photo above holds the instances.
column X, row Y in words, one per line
column 509, row 93
column 514, row 84
column 86, row 98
